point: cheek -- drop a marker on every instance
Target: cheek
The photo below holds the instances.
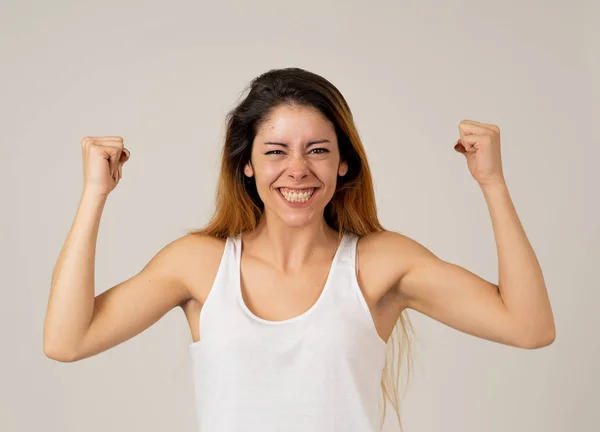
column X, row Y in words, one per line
column 267, row 174
column 326, row 171
column 271, row 169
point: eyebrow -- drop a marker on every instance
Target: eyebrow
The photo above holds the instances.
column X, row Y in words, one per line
column 308, row 144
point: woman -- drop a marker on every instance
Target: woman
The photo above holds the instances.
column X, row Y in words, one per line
column 294, row 288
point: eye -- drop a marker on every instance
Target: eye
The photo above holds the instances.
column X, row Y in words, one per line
column 318, row 150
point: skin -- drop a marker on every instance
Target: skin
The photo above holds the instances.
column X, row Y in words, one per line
column 291, row 237
column 293, row 248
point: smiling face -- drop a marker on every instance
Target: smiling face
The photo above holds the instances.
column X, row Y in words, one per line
column 295, row 162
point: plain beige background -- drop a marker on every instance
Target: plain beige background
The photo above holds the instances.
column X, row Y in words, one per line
column 163, row 75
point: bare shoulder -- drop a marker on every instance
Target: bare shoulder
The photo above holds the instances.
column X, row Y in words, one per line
column 200, row 256
column 173, row 277
column 385, row 257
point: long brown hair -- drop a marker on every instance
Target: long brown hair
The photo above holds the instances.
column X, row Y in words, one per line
column 352, row 208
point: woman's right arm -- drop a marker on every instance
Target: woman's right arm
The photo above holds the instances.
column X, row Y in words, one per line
column 78, row 324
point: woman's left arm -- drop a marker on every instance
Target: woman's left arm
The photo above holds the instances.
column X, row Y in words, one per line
column 517, row 310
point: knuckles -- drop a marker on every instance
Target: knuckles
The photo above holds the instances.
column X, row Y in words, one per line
column 113, row 140
column 490, row 129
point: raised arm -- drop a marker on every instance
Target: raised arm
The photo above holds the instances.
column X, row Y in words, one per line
column 78, row 324
column 517, row 310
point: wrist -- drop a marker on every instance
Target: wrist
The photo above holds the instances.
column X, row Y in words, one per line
column 92, row 196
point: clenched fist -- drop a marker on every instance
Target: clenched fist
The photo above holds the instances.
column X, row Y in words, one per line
column 103, row 160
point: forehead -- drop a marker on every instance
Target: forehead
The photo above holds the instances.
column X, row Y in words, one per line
column 296, row 123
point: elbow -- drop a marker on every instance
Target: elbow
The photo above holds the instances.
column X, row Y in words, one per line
column 55, row 352
column 60, row 356
column 539, row 340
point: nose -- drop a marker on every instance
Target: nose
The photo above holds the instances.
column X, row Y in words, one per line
column 298, row 169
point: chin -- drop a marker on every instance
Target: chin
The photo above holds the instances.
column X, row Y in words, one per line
column 296, row 221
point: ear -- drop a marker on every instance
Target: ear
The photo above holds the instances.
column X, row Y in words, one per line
column 343, row 169
column 248, row 169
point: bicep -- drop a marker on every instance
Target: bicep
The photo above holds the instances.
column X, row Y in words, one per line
column 456, row 297
column 127, row 309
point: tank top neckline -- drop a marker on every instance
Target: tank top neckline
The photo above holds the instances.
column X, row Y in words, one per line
column 238, row 285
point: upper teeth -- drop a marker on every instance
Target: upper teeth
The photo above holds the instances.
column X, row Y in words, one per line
column 295, row 195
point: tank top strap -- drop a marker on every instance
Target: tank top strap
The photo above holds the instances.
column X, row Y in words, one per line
column 347, row 255
column 342, row 273
column 348, row 289
column 221, row 295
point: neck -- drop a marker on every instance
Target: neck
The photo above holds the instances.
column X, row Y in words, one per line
column 289, row 247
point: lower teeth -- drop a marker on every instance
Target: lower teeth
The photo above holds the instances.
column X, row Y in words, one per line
column 297, row 200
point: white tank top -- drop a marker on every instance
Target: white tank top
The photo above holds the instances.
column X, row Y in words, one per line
column 318, row 371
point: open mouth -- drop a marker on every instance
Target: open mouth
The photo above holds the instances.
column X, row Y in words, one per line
column 297, row 196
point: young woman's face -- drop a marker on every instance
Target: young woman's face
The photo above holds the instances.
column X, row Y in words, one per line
column 295, row 162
